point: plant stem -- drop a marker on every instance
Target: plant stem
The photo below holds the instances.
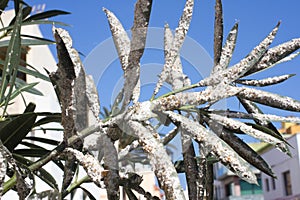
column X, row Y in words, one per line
column 76, row 184
column 9, row 184
column 177, row 91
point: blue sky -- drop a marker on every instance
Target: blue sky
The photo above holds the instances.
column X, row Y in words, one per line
column 89, row 28
column 256, row 18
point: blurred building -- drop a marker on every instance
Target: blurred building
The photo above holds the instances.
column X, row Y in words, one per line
column 229, row 186
column 286, row 168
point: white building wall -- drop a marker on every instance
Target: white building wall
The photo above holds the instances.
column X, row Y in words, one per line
column 281, row 163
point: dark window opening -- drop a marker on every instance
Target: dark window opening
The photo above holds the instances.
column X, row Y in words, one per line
column 228, row 189
column 24, row 51
column 267, row 185
column 273, row 184
column 287, row 183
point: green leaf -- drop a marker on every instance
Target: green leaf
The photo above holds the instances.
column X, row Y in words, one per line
column 46, row 14
column 42, row 140
column 30, row 145
column 3, row 123
column 41, row 149
column 41, row 173
column 8, row 28
column 37, row 38
column 32, row 72
column 17, row 5
column 28, row 42
column 25, row 12
column 45, row 22
column 32, row 152
column 16, row 130
column 27, row 87
column 12, row 61
column 48, row 119
column 24, row 88
column 30, row 108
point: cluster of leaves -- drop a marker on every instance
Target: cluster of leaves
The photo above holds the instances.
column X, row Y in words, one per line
column 18, row 148
column 190, row 114
column 214, row 130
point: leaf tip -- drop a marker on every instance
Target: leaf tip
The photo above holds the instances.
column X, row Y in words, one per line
column 104, row 10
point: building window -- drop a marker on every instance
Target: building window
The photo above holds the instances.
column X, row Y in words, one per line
column 24, row 51
column 229, row 189
column 287, row 183
column 273, row 184
column 267, row 184
column 251, row 189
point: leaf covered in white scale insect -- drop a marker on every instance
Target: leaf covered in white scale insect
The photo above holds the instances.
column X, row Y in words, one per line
column 227, row 50
column 159, row 159
column 179, row 37
column 120, row 37
column 90, row 164
column 137, row 46
column 238, row 70
column 270, row 99
column 266, row 81
column 240, row 126
column 214, row 144
column 3, row 166
column 176, row 78
column 276, row 55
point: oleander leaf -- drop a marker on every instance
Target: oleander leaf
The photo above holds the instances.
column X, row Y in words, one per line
column 270, row 99
column 159, row 159
column 41, row 172
column 236, row 125
column 228, row 48
column 176, row 78
column 42, row 140
column 120, row 37
column 238, row 70
column 12, row 60
column 179, row 37
column 266, row 81
column 276, row 55
column 46, row 15
column 218, row 32
column 240, row 147
column 137, row 46
column 215, row 145
column 17, row 129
